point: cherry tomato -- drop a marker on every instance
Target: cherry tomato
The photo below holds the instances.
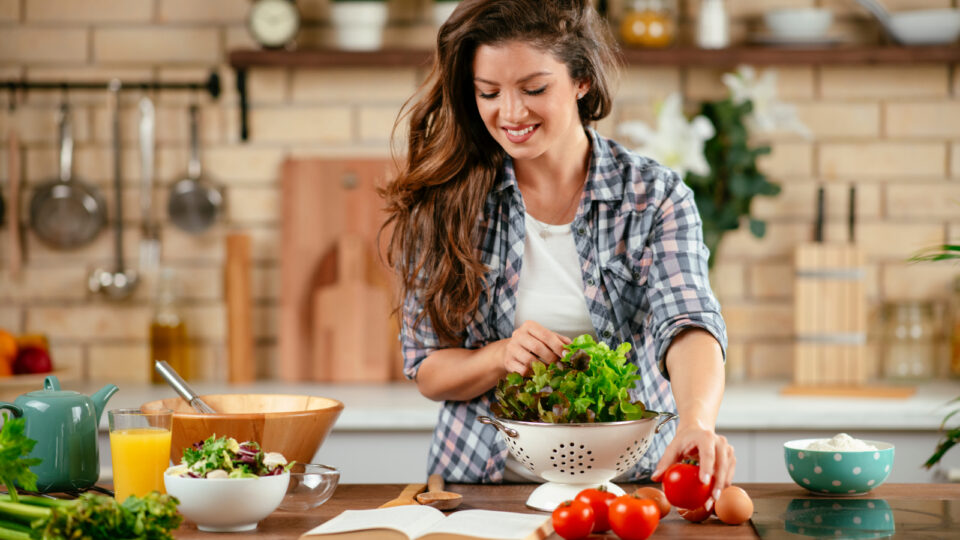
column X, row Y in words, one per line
column 632, row 518
column 573, row 520
column 695, row 515
column 683, row 487
column 599, row 500
column 655, row 495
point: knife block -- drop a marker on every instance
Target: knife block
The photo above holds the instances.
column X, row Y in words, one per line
column 830, row 316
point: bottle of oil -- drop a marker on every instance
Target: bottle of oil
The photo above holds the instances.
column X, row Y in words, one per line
column 168, row 331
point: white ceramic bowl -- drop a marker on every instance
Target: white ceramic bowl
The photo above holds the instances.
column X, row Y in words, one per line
column 798, row 24
column 926, row 26
column 226, row 504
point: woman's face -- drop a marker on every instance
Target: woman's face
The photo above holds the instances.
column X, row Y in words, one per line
column 526, row 99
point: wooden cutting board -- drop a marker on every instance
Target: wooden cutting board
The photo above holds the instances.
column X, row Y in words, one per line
column 324, row 200
column 350, row 319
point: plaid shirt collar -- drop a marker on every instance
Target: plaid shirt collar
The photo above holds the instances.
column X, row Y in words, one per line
column 600, row 187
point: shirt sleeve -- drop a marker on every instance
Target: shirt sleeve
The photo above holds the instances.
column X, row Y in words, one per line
column 416, row 341
column 678, row 288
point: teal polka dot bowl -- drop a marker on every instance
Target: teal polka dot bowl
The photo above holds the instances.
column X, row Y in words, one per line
column 838, row 472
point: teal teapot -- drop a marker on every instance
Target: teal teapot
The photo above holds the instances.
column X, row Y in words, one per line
column 64, row 423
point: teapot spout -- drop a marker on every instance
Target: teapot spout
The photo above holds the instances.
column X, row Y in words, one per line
column 100, row 398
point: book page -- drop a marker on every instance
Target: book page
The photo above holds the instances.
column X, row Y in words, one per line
column 489, row 524
column 411, row 520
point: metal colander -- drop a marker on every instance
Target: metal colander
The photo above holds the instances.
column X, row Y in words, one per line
column 576, row 454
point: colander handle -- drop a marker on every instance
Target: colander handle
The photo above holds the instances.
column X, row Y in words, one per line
column 669, row 416
column 500, row 427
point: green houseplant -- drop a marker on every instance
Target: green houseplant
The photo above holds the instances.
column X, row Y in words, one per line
column 715, row 152
column 951, row 436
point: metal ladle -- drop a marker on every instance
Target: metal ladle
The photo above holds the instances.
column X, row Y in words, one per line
column 120, row 283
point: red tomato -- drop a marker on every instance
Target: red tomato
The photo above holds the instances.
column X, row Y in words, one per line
column 683, row 487
column 632, row 518
column 695, row 515
column 573, row 520
column 599, row 500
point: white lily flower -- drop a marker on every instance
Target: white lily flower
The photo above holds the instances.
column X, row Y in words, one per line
column 676, row 143
column 769, row 113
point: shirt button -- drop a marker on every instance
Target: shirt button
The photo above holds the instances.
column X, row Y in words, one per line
column 636, row 276
column 581, row 231
column 607, row 333
column 591, row 282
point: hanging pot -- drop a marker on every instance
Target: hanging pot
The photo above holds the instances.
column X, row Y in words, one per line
column 194, row 203
column 66, row 213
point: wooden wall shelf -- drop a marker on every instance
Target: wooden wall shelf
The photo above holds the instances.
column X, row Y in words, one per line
column 243, row 59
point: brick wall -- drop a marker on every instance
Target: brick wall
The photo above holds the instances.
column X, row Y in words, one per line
column 892, row 130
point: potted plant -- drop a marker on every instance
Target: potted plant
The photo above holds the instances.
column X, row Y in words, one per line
column 358, row 24
column 715, row 152
column 442, row 10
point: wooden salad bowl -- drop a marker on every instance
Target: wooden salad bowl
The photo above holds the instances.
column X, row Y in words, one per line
column 294, row 425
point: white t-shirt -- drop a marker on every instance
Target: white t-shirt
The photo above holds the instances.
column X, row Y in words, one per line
column 550, row 292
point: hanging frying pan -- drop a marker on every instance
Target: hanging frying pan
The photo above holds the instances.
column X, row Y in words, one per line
column 66, row 213
column 194, row 203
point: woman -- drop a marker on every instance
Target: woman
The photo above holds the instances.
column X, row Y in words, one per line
column 516, row 227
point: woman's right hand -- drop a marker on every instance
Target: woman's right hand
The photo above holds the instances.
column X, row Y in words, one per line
column 530, row 342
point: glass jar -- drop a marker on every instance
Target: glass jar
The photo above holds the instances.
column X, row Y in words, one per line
column 909, row 341
column 168, row 331
column 953, row 334
column 649, row 23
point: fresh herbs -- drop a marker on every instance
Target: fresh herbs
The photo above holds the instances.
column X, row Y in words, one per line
column 14, row 465
column 150, row 517
column 591, row 383
column 224, row 457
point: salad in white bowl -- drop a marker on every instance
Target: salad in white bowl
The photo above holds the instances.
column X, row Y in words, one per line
column 226, row 486
column 227, row 458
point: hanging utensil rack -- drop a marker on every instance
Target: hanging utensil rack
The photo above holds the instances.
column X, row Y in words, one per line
column 211, row 85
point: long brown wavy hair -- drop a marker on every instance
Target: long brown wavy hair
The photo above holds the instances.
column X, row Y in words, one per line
column 451, row 163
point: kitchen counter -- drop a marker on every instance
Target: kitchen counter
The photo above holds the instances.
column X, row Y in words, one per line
column 512, row 497
column 756, row 419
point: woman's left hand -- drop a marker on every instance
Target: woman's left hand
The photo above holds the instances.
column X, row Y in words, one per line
column 717, row 460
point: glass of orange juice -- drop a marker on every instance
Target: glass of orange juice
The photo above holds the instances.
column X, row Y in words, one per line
column 140, row 449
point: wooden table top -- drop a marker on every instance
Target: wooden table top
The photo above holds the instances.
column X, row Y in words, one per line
column 288, row 525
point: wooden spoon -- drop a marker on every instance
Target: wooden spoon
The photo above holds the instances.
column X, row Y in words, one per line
column 437, row 497
column 406, row 496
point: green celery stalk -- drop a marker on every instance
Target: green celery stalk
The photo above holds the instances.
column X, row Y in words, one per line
column 23, row 512
column 39, row 501
column 10, row 530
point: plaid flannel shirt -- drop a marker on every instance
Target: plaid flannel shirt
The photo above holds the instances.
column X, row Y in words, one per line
column 644, row 269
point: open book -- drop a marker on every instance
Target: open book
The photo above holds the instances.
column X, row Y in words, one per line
column 415, row 522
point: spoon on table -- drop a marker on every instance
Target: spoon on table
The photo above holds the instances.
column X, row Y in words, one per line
column 406, row 496
column 437, row 497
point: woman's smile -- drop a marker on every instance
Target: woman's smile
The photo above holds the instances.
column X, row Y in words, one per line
column 520, row 134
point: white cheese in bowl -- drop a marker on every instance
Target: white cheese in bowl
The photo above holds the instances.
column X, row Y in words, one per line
column 841, row 442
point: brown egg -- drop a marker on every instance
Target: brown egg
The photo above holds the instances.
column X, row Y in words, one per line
column 656, row 496
column 734, row 506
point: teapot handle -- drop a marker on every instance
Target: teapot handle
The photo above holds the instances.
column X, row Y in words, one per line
column 51, row 382
column 17, row 411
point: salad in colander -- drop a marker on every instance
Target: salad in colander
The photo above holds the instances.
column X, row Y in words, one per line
column 224, row 457
column 591, row 383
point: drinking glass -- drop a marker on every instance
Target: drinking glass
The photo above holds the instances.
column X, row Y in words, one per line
column 140, row 449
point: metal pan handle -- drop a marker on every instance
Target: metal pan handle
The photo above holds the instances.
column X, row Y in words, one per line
column 500, row 427
column 669, row 416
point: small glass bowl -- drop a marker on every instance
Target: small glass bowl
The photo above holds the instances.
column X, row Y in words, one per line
column 310, row 486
